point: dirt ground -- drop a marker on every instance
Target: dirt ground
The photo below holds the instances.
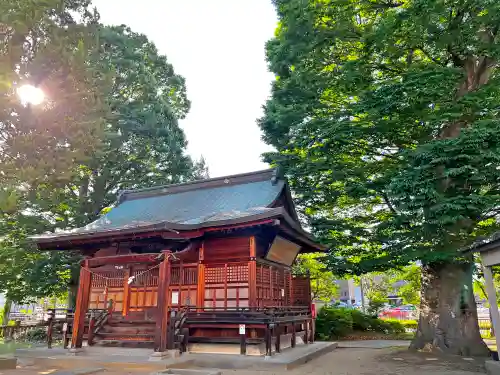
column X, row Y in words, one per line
column 343, row 362
column 381, row 362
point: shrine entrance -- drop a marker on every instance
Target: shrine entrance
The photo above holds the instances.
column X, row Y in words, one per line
column 133, row 288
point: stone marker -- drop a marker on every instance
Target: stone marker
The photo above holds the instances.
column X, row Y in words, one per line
column 8, row 363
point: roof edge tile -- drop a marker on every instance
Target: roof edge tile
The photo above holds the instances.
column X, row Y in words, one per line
column 230, row 180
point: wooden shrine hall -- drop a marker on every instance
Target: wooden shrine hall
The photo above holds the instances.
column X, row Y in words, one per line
column 191, row 265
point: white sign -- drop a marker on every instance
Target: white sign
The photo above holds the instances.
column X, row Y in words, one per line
column 242, row 329
column 175, row 298
column 282, row 292
column 65, row 327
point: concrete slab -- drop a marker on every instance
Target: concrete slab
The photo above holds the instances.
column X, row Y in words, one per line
column 180, row 371
column 286, row 360
column 374, row 344
column 8, row 363
column 492, row 367
column 81, row 371
column 107, row 358
column 135, row 359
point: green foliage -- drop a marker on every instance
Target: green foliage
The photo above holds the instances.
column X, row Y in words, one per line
column 323, row 286
column 376, row 305
column 334, row 323
column 110, row 122
column 409, row 324
column 384, row 118
column 410, row 291
column 35, row 335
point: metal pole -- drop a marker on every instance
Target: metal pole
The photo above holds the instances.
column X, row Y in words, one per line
column 362, row 295
column 492, row 299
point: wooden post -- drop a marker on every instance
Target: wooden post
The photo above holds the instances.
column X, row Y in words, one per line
column 277, row 343
column 163, row 304
column 90, row 335
column 110, row 307
column 252, row 275
column 492, row 299
column 200, row 290
column 294, row 335
column 306, row 332
column 82, row 302
column 268, row 341
column 243, row 344
column 126, row 293
column 50, row 327
column 65, row 334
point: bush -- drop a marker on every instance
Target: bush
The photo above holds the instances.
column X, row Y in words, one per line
column 407, row 324
column 361, row 321
column 334, row 323
column 38, row 334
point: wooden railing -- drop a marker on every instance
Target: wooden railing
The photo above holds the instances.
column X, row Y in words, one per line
column 272, row 319
column 62, row 327
column 178, row 334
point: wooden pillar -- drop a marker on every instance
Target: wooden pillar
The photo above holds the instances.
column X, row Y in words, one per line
column 252, row 275
column 278, row 338
column 126, row 293
column 200, row 290
column 492, row 299
column 50, row 327
column 306, row 332
column 82, row 302
column 163, row 305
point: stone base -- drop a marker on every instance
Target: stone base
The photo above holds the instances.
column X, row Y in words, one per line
column 168, row 354
column 76, row 351
column 492, row 367
column 182, row 371
column 8, row 363
column 252, row 349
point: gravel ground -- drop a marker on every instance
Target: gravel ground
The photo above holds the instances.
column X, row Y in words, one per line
column 343, row 361
column 394, row 361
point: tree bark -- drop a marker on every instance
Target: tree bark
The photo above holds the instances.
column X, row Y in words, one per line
column 448, row 315
column 6, row 311
column 72, row 292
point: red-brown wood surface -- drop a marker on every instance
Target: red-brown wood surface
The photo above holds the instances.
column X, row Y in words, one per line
column 252, row 274
column 200, row 296
column 82, row 302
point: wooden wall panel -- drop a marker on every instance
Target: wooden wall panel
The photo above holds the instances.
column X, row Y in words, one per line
column 220, row 250
column 272, row 285
column 226, row 285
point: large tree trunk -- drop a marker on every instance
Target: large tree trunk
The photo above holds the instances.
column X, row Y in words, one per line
column 448, row 316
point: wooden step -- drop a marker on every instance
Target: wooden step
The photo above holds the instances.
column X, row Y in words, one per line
column 112, row 322
column 125, row 343
column 126, row 336
column 127, row 329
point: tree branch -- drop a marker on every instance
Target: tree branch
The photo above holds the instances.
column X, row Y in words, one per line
column 388, row 202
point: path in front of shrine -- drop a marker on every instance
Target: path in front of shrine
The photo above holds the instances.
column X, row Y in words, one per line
column 355, row 360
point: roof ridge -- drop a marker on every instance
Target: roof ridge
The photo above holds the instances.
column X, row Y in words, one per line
column 229, row 180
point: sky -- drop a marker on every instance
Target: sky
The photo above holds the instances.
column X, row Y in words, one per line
column 218, row 46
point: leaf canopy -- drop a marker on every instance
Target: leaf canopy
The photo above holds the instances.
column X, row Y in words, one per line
column 384, row 115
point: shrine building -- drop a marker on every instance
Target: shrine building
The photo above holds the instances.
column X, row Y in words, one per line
column 193, row 265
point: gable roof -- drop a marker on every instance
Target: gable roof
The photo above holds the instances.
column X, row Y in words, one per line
column 199, row 204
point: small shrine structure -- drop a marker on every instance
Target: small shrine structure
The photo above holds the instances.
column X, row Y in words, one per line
column 198, row 263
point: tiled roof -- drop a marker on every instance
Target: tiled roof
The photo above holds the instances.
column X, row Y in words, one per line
column 194, row 205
